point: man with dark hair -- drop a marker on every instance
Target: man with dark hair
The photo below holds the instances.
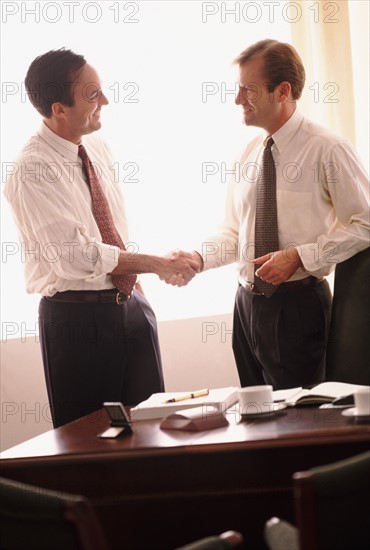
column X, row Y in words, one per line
column 296, row 206
column 51, row 77
column 98, row 333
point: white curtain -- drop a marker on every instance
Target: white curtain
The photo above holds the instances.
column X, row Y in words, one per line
column 322, row 36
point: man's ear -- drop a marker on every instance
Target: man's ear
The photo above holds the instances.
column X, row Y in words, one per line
column 284, row 91
column 58, row 109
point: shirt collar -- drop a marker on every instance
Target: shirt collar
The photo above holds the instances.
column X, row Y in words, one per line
column 287, row 131
column 64, row 147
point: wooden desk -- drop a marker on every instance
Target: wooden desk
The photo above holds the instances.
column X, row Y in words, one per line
column 159, row 489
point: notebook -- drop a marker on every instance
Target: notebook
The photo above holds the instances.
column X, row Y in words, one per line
column 218, row 399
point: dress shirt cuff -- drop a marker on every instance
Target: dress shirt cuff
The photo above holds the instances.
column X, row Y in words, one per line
column 108, row 259
column 216, row 253
column 311, row 263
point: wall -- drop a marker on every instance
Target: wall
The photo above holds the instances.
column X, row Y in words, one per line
column 196, row 353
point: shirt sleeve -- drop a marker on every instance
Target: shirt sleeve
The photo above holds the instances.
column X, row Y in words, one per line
column 345, row 184
column 50, row 223
column 222, row 248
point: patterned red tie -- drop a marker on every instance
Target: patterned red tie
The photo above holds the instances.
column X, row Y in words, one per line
column 266, row 228
column 104, row 219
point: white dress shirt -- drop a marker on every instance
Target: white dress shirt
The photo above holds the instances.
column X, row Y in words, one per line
column 322, row 202
column 60, row 241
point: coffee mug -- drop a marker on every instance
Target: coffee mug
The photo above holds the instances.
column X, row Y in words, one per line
column 362, row 401
column 255, row 400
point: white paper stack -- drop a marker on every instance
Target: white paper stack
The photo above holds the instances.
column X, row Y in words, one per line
column 218, row 399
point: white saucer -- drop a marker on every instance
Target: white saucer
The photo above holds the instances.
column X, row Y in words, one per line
column 276, row 407
column 353, row 412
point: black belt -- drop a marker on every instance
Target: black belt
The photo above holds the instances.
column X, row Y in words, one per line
column 90, row 296
column 290, row 286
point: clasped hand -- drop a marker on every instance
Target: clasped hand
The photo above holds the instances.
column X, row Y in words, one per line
column 181, row 267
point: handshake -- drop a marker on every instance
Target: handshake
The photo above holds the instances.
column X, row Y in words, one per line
column 178, row 267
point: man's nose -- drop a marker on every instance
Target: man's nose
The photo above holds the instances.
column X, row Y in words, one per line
column 103, row 99
column 240, row 98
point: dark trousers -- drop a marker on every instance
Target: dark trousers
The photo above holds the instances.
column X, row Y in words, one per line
column 96, row 352
column 281, row 340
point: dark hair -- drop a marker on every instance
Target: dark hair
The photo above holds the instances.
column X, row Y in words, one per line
column 50, row 78
column 281, row 64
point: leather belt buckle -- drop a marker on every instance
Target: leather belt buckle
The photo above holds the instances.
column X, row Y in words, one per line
column 253, row 289
column 121, row 297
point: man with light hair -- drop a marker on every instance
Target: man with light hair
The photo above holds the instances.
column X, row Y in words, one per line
column 298, row 206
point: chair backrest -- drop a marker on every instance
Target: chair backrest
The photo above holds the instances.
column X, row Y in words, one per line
column 39, row 519
column 348, row 350
column 225, row 541
column 333, row 505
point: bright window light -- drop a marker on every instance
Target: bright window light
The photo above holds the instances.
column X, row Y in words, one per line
column 172, row 124
column 167, row 71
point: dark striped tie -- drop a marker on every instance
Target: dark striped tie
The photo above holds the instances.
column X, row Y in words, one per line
column 104, row 219
column 266, row 228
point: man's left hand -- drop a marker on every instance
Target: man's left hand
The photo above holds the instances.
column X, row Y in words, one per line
column 277, row 267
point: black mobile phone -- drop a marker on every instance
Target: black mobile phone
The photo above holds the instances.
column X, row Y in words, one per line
column 119, row 420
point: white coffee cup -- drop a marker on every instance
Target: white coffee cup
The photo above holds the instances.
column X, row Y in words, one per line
column 362, row 401
column 255, row 400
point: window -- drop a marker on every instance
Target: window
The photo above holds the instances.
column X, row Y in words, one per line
column 166, row 68
column 167, row 71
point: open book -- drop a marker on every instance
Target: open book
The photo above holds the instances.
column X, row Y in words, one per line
column 326, row 392
column 218, row 399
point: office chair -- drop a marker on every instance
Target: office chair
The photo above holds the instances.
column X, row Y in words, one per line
column 281, row 535
column 39, row 519
column 225, row 541
column 348, row 350
column 33, row 518
column 332, row 506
